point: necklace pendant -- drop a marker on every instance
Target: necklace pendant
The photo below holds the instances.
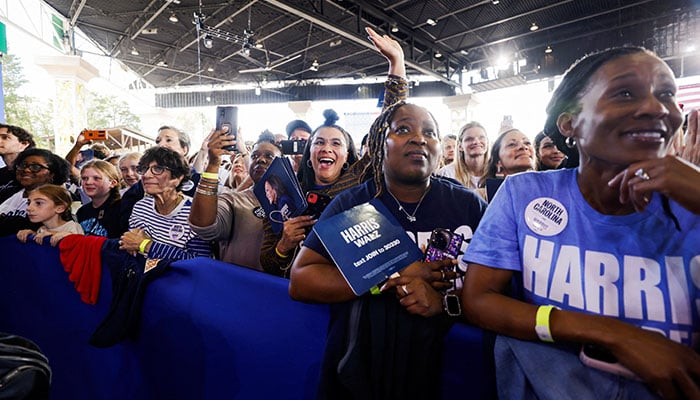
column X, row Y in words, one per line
column 411, row 218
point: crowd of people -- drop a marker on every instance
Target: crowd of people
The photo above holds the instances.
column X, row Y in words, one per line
column 585, row 236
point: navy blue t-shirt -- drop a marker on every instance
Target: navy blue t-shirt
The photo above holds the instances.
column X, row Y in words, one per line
column 446, row 205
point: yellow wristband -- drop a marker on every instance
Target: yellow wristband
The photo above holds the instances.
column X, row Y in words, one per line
column 210, row 175
column 142, row 246
column 280, row 254
column 542, row 323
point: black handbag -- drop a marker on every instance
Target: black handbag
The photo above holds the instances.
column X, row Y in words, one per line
column 24, row 369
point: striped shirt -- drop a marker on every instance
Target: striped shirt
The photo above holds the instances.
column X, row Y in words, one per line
column 171, row 234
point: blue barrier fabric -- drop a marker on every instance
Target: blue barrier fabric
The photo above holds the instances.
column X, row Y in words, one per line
column 208, row 330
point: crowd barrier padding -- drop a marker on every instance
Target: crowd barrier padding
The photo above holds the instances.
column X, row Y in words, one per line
column 208, row 330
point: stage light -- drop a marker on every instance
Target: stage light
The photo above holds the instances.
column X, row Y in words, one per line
column 208, row 41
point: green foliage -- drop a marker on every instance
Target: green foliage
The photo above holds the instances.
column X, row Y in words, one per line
column 105, row 111
column 21, row 110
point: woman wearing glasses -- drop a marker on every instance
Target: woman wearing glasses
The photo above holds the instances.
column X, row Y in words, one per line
column 33, row 168
column 158, row 225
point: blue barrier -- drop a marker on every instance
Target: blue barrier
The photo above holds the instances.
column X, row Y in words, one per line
column 209, row 330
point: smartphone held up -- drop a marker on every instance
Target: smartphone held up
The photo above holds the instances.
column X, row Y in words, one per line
column 227, row 116
column 95, row 134
column 293, row 147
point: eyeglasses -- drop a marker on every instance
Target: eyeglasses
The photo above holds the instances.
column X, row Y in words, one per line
column 155, row 169
column 33, row 168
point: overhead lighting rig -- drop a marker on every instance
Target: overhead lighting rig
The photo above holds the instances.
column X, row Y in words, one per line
column 246, row 40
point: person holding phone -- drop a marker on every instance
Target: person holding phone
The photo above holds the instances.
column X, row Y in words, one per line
column 603, row 254
column 230, row 217
column 330, row 164
column 297, row 130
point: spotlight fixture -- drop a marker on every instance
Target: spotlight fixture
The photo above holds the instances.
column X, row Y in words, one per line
column 494, row 2
column 394, row 28
column 210, row 69
column 208, row 98
column 314, row 66
column 134, row 52
column 173, row 18
column 246, row 48
column 257, row 91
column 431, row 22
column 438, row 54
column 162, row 64
column 464, row 52
column 259, row 45
column 208, row 41
column 534, row 27
column 548, row 50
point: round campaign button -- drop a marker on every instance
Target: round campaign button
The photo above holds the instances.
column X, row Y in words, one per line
column 177, row 231
column 546, row 216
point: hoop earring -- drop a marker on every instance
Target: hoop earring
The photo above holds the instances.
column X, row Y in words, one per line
column 308, row 164
column 345, row 166
column 570, row 142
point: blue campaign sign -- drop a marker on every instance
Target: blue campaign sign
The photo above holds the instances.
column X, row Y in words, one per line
column 367, row 244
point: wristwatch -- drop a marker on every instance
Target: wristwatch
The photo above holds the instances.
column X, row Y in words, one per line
column 450, row 303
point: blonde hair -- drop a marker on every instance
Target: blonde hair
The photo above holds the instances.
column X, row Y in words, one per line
column 129, row 156
column 108, row 170
column 60, row 197
column 461, row 170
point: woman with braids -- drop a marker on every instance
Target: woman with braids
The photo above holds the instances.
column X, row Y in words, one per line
column 604, row 256
column 388, row 345
column 329, row 164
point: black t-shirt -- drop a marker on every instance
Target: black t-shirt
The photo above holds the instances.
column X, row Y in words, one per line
column 101, row 221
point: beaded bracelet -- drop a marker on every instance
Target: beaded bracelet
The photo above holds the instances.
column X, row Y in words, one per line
column 206, row 192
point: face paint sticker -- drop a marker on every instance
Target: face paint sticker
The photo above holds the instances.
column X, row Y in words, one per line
column 546, row 216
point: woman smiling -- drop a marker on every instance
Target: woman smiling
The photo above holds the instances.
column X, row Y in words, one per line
column 158, row 225
column 605, row 255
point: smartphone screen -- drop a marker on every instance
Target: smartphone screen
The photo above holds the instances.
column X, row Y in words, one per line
column 227, row 116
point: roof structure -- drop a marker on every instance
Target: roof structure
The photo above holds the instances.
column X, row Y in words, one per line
column 295, row 44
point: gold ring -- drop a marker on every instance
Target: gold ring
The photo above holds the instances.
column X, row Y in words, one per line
column 640, row 173
column 442, row 273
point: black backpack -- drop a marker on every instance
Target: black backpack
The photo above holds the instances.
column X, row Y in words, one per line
column 24, row 369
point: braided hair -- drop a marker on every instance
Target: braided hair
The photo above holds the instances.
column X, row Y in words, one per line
column 376, row 141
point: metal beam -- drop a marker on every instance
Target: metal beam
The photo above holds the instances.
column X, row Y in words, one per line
column 352, row 37
column 77, row 12
column 154, row 16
